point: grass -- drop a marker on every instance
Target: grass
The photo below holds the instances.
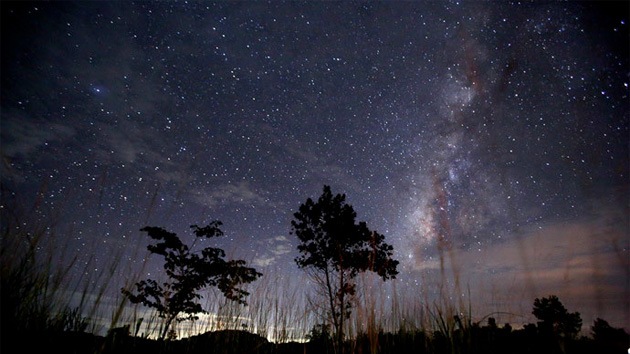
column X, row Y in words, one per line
column 47, row 291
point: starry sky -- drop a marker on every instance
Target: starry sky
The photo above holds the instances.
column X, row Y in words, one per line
column 488, row 141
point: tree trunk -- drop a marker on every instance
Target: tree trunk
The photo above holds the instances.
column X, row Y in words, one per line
column 342, row 313
column 331, row 299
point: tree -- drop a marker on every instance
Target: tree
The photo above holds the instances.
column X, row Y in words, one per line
column 335, row 248
column 189, row 273
column 553, row 318
column 608, row 338
column 319, row 333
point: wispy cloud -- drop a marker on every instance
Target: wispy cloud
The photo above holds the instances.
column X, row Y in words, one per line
column 273, row 249
column 585, row 263
column 22, row 137
column 239, row 193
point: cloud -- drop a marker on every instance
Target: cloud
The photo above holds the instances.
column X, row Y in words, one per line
column 263, row 261
column 240, row 193
column 280, row 245
column 585, row 263
column 274, row 248
column 33, row 142
column 23, row 137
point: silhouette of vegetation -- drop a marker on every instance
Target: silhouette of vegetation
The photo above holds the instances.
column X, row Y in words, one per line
column 608, row 338
column 37, row 315
column 189, row 273
column 556, row 326
column 320, row 337
column 337, row 248
column 554, row 319
column 319, row 332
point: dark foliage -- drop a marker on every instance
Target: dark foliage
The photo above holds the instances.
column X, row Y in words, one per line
column 472, row 339
column 338, row 248
column 189, row 273
column 487, row 339
column 554, row 319
column 608, row 338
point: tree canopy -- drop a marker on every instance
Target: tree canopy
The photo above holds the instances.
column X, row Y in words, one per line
column 189, row 273
column 553, row 317
column 336, row 248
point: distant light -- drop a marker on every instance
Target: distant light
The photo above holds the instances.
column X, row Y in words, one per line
column 99, row 90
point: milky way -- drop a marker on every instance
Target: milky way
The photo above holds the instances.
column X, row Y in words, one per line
column 454, row 128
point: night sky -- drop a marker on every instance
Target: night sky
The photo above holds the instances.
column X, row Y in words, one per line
column 488, row 141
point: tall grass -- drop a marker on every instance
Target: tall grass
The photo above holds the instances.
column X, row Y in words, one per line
column 46, row 286
column 48, row 289
column 31, row 277
column 276, row 309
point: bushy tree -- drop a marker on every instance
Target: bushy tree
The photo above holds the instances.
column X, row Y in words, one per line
column 189, row 273
column 609, row 339
column 553, row 318
column 603, row 331
column 335, row 248
column 319, row 333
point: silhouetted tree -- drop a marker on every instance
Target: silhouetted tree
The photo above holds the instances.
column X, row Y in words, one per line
column 320, row 333
column 336, row 249
column 609, row 339
column 492, row 323
column 553, row 318
column 189, row 273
